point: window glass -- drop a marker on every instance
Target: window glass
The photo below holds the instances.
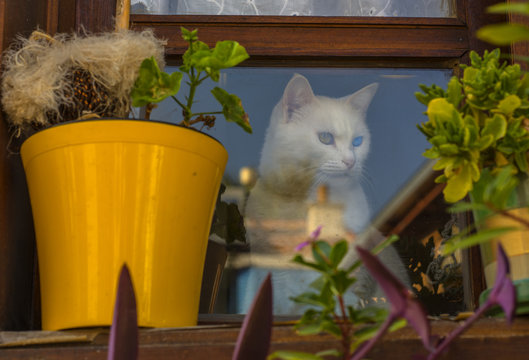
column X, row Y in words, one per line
column 331, row 147
column 404, row 8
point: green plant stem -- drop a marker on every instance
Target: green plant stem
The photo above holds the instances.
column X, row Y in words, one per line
column 343, row 321
column 192, row 89
column 207, row 113
column 182, row 105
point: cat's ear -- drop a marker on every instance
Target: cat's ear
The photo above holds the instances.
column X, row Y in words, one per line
column 361, row 99
column 297, row 94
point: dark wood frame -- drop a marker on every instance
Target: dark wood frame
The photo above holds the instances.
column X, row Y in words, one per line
column 272, row 41
column 489, row 339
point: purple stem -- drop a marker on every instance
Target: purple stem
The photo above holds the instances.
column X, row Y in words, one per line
column 366, row 347
column 457, row 332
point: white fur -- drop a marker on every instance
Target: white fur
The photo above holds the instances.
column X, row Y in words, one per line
column 294, row 162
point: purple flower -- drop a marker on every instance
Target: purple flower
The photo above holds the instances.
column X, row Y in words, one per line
column 313, row 237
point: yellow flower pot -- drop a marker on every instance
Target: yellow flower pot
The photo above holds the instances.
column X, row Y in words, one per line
column 106, row 192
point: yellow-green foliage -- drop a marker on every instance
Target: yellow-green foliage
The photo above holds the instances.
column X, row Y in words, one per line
column 479, row 122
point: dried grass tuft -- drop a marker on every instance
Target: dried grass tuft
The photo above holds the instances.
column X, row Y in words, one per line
column 37, row 78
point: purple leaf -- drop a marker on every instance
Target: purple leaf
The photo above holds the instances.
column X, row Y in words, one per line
column 417, row 318
column 403, row 304
column 123, row 341
column 254, row 338
column 503, row 293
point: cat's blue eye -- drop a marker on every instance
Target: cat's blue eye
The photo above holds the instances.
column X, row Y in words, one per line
column 326, row 138
column 357, row 141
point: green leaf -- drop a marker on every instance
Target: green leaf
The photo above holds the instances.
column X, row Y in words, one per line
column 503, row 34
column 441, row 179
column 370, row 314
column 224, row 55
column 293, row 355
column 521, row 161
column 363, row 334
column 458, row 185
column 229, row 53
column 329, row 352
column 467, row 206
column 153, row 85
column 499, row 190
column 189, row 58
column 324, row 247
column 189, row 36
column 470, row 74
column 232, row 108
column 309, row 329
column 329, row 326
column 485, row 142
column 339, row 250
column 448, row 149
column 441, row 111
column 384, row 244
column 438, row 140
column 444, row 162
column 341, row 282
column 309, row 298
column 513, row 7
column 480, row 237
column 495, row 126
column 509, row 104
column 454, row 91
column 432, row 153
column 299, row 260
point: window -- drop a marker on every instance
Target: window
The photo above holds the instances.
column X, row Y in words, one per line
column 339, row 55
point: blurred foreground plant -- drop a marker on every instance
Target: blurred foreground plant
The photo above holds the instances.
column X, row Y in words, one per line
column 329, row 313
column 479, row 123
column 360, row 329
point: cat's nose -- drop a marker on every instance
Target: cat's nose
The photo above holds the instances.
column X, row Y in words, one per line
column 349, row 163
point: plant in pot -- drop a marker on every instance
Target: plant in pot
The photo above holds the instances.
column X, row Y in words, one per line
column 109, row 191
column 478, row 129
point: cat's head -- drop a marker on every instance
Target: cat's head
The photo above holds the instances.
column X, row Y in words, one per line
column 323, row 135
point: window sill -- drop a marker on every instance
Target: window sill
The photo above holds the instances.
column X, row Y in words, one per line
column 488, row 339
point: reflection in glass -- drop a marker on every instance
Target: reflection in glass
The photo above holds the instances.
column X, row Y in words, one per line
column 331, row 147
column 395, row 8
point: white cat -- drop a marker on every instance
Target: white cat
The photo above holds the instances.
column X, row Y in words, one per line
column 311, row 140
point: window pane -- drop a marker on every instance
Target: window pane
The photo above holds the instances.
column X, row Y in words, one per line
column 331, row 147
column 403, row 8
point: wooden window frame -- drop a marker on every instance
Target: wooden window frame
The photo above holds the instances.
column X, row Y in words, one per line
column 271, row 41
